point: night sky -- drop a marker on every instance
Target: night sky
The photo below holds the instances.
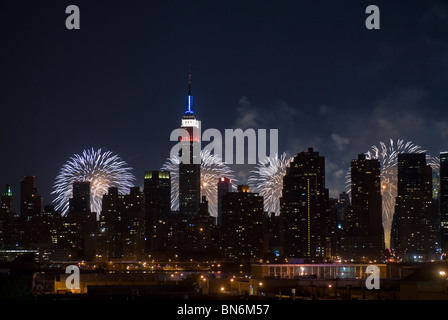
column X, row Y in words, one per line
column 309, row 68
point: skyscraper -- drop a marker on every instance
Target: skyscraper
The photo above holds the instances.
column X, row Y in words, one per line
column 82, row 222
column 364, row 237
column 271, row 236
column 80, row 202
column 157, row 190
column 412, row 235
column 122, row 225
column 443, row 201
column 112, row 226
column 134, row 224
column 6, row 202
column 52, row 221
column 6, row 212
column 204, row 234
column 31, row 204
column 190, row 173
column 224, row 187
column 341, row 206
column 304, row 208
column 242, row 224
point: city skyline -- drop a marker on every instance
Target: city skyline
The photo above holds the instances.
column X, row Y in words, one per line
column 103, row 172
column 137, row 231
column 310, row 225
column 206, row 151
column 123, row 189
column 112, row 170
column 267, row 68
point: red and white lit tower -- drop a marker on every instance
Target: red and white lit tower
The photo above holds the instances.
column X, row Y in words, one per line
column 190, row 173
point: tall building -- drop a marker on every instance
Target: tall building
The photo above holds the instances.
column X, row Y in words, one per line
column 122, row 225
column 443, row 201
column 271, row 237
column 80, row 202
column 112, row 226
column 7, row 202
column 81, row 223
column 202, row 233
column 157, row 190
column 51, row 221
column 6, row 212
column 134, row 225
column 341, row 206
column 12, row 226
column 31, row 204
column 364, row 238
column 242, row 224
column 304, row 208
column 412, row 235
column 224, row 187
column 333, row 233
column 190, row 173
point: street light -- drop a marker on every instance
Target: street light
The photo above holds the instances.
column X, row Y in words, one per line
column 207, row 283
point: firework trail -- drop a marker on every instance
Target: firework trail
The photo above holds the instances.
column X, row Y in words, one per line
column 267, row 180
column 212, row 168
column 434, row 163
column 387, row 155
column 101, row 169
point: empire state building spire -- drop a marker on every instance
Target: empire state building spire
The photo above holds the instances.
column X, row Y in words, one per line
column 190, row 95
column 189, row 120
column 190, row 173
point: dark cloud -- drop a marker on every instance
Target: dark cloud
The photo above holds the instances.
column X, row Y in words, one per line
column 340, row 134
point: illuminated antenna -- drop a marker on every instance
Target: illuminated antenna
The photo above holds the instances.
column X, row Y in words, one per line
column 189, row 79
column 190, row 96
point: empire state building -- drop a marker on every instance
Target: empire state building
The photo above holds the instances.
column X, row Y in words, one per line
column 190, row 173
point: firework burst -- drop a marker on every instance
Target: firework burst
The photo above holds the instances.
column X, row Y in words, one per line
column 102, row 169
column 212, row 168
column 387, row 155
column 267, row 180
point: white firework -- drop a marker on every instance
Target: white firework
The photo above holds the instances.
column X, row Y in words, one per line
column 102, row 169
column 387, row 155
column 212, row 168
column 267, row 180
column 434, row 162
